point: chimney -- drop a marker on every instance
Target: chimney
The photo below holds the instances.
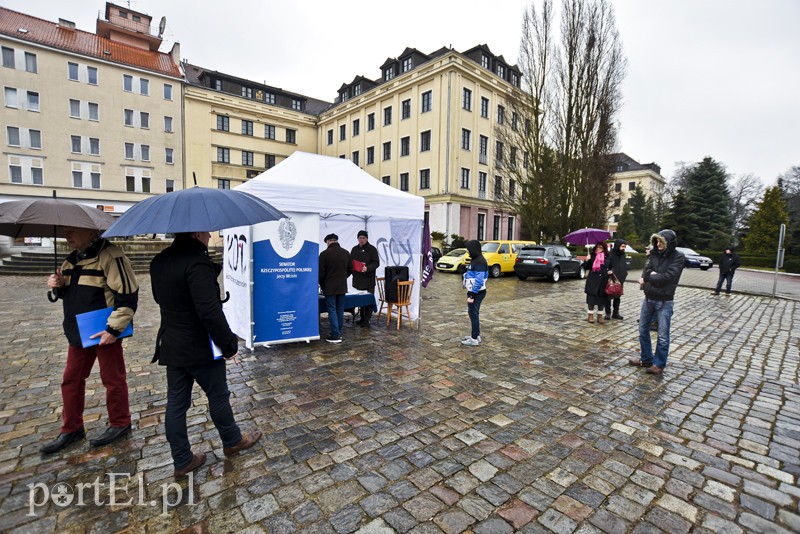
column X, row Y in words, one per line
column 67, row 24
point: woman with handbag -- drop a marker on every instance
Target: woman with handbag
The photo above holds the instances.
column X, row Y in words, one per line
column 618, row 266
column 596, row 282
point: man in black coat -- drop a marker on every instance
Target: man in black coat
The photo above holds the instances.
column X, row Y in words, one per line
column 335, row 266
column 618, row 266
column 727, row 268
column 365, row 279
column 660, row 279
column 185, row 287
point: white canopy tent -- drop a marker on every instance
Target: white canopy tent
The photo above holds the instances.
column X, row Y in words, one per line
column 347, row 200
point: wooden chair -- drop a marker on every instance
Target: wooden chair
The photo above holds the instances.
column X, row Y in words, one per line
column 403, row 301
column 381, row 296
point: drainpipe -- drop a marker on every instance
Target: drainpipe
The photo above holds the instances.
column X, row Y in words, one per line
column 447, row 231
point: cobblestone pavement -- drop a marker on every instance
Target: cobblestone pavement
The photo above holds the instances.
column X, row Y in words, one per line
column 542, row 428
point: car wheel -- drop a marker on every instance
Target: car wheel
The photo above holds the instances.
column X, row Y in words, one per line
column 522, row 277
column 494, row 271
column 461, row 269
column 581, row 274
column 555, row 276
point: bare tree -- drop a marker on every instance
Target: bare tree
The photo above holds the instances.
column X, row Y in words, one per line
column 746, row 190
column 563, row 120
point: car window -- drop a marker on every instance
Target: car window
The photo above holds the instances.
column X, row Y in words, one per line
column 687, row 251
column 457, row 252
column 538, row 252
column 564, row 252
column 490, row 247
column 504, row 248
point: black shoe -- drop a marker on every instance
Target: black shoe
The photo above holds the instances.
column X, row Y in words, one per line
column 333, row 339
column 112, row 434
column 62, row 441
column 606, row 317
column 617, row 316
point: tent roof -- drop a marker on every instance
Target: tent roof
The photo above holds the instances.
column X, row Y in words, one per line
column 312, row 183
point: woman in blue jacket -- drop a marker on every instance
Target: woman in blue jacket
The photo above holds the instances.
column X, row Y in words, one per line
column 475, row 284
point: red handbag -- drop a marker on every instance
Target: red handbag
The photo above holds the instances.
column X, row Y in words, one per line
column 613, row 287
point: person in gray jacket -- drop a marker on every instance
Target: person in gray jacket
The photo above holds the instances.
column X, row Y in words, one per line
column 660, row 278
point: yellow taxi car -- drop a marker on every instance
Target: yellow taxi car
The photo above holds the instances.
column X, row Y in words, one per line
column 454, row 261
column 501, row 255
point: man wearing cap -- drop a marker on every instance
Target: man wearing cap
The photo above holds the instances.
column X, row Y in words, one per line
column 367, row 254
column 335, row 266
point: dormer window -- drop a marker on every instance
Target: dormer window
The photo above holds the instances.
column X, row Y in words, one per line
column 514, row 79
column 484, row 61
column 407, row 65
column 137, row 18
column 501, row 71
column 123, row 14
column 344, row 96
column 388, row 74
column 357, row 90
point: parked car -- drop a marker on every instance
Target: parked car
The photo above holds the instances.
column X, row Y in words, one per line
column 437, row 253
column 500, row 255
column 453, row 262
column 693, row 259
column 548, row 261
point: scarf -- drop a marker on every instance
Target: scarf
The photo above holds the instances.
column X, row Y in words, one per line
column 599, row 260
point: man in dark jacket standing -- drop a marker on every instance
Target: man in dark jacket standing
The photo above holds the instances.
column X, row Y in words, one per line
column 660, row 279
column 727, row 268
column 617, row 266
column 365, row 279
column 335, row 266
column 185, row 287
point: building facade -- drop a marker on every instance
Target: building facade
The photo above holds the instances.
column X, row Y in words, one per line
column 628, row 174
column 95, row 117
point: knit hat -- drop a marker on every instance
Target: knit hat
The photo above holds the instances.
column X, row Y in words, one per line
column 362, row 233
column 331, row 236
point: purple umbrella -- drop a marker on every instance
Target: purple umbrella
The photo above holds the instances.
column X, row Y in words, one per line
column 587, row 236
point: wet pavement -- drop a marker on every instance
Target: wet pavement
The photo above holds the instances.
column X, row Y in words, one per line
column 541, row 428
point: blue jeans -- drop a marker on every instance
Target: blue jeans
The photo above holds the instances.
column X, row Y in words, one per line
column 335, row 305
column 661, row 311
column 728, row 278
column 474, row 311
column 213, row 380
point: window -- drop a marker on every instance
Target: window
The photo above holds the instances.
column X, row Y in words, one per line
column 223, row 155
column 515, row 83
column 269, row 98
column 388, row 74
column 356, row 127
column 128, row 150
column 16, row 174
column 270, row 161
column 387, row 116
column 297, row 104
column 427, row 101
column 496, row 227
column 167, row 91
column 33, row 101
column 483, row 149
column 386, row 180
column 247, row 127
column 370, row 155
column 223, row 123
column 370, row 122
column 91, row 74
column 168, row 124
column 501, row 71
column 130, row 183
column 342, row 132
column 31, row 65
column 405, row 110
column 13, row 135
column 145, row 184
column 617, row 202
column 425, row 179
column 466, row 137
column 498, row 187
column 405, row 146
column 357, row 89
column 36, row 176
column 94, row 146
column 354, row 157
column 484, row 107
column 75, row 109
column 481, row 227
column 514, row 120
column 77, row 179
column 11, row 97
column 291, row 136
column 218, row 85
column 94, row 111
column 127, row 83
column 247, row 92
column 512, row 159
column 128, row 117
column 425, row 141
column 223, row 183
column 498, row 154
column 481, row 185
column 464, row 178
column 484, row 61
column 512, row 188
column 75, row 141
column 404, row 181
column 169, row 186
column 144, row 119
column 466, row 99
column 387, row 150
column 618, row 187
column 631, row 186
column 145, row 152
column 501, row 115
column 72, row 71
column 269, row 131
column 8, row 57
column 247, row 158
column 168, row 156
column 407, row 64
column 616, row 218
column 330, row 136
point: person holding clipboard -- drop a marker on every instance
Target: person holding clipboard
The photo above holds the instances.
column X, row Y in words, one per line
column 95, row 276
column 365, row 262
column 185, row 287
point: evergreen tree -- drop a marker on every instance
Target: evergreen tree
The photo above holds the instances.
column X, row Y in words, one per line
column 708, row 217
column 643, row 212
column 677, row 218
column 626, row 227
column 765, row 223
column 789, row 182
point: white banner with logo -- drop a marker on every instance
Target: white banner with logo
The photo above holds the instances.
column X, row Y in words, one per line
column 237, row 280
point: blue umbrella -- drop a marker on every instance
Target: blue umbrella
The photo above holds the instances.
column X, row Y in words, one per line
column 198, row 209
column 587, row 236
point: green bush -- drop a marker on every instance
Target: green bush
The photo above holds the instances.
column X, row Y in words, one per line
column 791, row 265
column 638, row 261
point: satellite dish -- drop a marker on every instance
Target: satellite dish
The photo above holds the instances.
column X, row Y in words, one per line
column 161, row 26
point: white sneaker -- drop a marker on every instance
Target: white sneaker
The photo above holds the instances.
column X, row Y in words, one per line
column 470, row 337
column 471, row 342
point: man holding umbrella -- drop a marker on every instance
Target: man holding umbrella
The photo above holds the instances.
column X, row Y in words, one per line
column 94, row 276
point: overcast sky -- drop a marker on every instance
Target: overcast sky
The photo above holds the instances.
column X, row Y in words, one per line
column 717, row 78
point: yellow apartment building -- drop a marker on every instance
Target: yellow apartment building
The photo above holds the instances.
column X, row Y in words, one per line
column 427, row 126
column 95, row 117
column 629, row 173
